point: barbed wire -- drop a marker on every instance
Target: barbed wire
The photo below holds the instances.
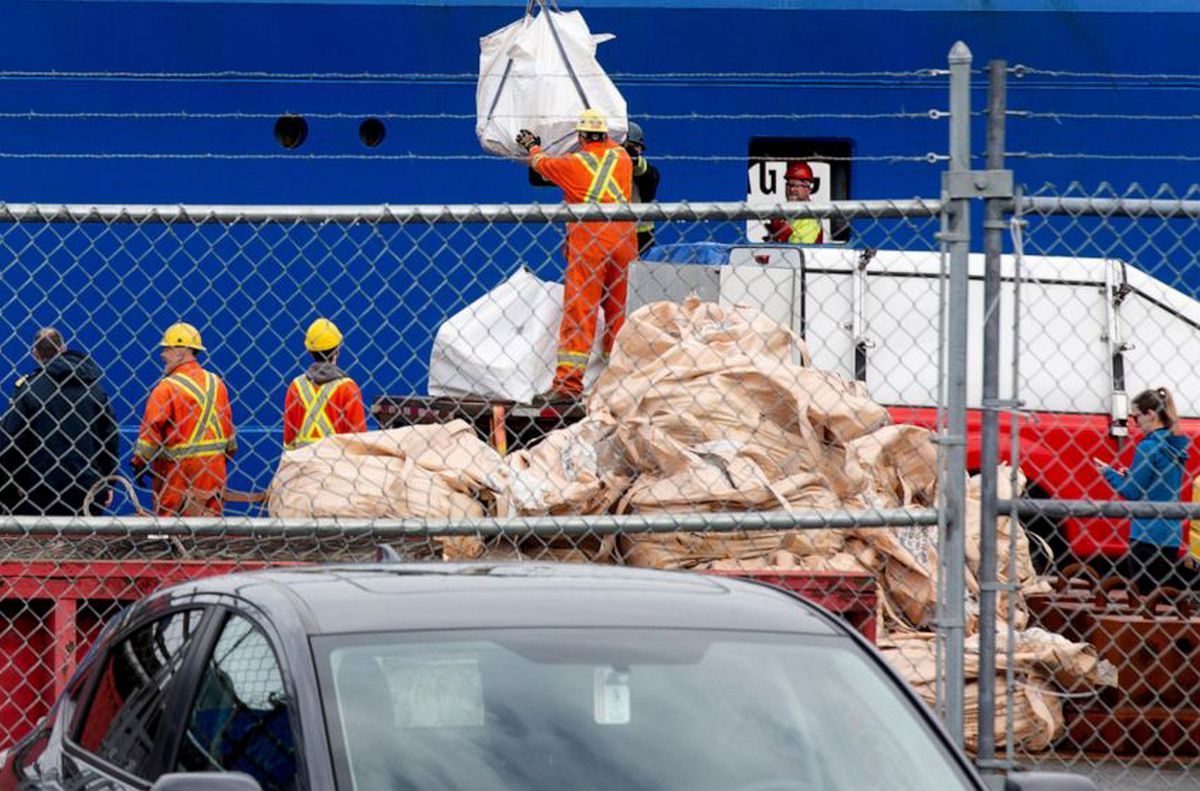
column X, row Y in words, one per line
column 932, row 114
column 186, row 115
column 1104, row 157
column 927, row 158
column 1054, row 116
column 793, row 74
column 1022, row 70
column 231, row 74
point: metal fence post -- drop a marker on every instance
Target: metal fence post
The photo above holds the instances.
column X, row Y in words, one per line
column 993, row 229
column 957, row 237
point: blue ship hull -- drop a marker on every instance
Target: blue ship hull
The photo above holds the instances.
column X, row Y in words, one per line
column 109, row 132
column 433, row 52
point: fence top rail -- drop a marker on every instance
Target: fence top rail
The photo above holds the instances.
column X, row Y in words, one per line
column 1112, row 509
column 548, row 526
column 536, row 213
column 1162, row 208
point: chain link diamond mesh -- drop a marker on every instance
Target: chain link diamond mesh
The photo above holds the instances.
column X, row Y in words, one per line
column 768, row 411
column 1107, row 316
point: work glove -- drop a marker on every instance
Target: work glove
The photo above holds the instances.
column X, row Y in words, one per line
column 778, row 230
column 527, row 140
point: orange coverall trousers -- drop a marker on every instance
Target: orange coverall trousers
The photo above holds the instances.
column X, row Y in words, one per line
column 598, row 258
column 598, row 253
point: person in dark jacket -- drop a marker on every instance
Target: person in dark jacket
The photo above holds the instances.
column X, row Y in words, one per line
column 59, row 435
column 645, row 183
column 1156, row 474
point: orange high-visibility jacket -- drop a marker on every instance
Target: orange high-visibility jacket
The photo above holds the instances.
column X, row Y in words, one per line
column 597, row 173
column 186, row 435
column 313, row 411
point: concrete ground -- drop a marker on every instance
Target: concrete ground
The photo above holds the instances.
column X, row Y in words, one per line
column 1183, row 775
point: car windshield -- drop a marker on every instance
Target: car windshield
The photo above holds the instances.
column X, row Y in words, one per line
column 621, row 708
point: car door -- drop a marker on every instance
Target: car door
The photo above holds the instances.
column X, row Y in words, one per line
column 241, row 716
column 114, row 739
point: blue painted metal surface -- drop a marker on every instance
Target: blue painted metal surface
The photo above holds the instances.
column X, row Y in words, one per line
column 742, row 61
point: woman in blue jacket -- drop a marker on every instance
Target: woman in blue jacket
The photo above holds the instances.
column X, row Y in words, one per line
column 1157, row 475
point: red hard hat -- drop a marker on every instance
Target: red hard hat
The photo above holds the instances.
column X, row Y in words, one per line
column 799, row 170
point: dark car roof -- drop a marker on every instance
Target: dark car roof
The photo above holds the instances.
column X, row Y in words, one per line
column 397, row 596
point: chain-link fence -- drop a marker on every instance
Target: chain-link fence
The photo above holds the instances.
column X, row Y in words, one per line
column 803, row 414
column 1118, row 579
column 1087, row 393
column 732, row 440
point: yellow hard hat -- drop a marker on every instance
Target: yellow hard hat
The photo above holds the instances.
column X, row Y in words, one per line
column 592, row 121
column 322, row 336
column 181, row 335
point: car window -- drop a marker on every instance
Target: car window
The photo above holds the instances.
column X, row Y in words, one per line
column 240, row 719
column 517, row 709
column 126, row 708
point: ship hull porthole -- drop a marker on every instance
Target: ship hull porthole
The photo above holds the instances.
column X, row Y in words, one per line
column 291, row 131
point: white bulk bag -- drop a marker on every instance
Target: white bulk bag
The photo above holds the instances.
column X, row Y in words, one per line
column 540, row 73
column 504, row 345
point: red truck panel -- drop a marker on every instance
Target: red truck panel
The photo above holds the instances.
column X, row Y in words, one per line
column 52, row 611
column 1056, row 450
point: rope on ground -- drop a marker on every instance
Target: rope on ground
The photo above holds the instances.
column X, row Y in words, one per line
column 89, row 499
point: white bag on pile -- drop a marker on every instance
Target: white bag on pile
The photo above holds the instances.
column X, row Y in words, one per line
column 527, row 82
column 503, row 345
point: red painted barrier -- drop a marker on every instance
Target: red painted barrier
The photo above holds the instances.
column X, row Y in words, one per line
column 51, row 611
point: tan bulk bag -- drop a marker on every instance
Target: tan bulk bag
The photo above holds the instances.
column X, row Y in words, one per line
column 429, row 471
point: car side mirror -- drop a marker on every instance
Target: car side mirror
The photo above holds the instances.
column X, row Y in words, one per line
column 206, row 781
column 1048, row 781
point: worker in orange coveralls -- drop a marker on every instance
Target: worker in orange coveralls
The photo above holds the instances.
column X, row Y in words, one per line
column 187, row 431
column 323, row 400
column 598, row 253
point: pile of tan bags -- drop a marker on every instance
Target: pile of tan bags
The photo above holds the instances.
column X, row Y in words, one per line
column 436, row 471
column 1046, row 666
column 705, row 408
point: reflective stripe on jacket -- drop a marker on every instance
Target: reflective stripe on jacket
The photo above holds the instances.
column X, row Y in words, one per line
column 645, row 188
column 187, row 416
column 597, row 173
column 185, row 437
column 603, row 187
column 314, row 411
